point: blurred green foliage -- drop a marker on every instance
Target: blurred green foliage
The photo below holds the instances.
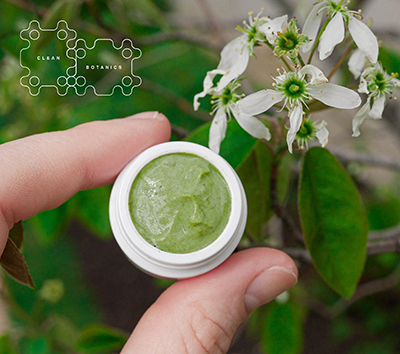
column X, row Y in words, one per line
column 62, row 316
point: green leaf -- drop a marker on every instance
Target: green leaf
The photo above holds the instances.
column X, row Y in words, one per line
column 5, row 345
column 50, row 224
column 333, row 219
column 17, row 234
column 14, row 264
column 58, row 260
column 96, row 339
column 284, row 177
column 383, row 210
column 282, row 331
column 390, row 59
column 93, row 211
column 236, row 146
column 149, row 9
column 60, row 10
column 36, row 345
column 255, row 174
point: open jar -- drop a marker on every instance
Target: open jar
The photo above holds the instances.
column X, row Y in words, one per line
column 178, row 210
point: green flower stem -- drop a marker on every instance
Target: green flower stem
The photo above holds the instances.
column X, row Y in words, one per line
column 341, row 60
column 300, row 59
column 317, row 40
column 281, row 58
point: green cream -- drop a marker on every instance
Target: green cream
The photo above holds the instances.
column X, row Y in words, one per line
column 180, row 203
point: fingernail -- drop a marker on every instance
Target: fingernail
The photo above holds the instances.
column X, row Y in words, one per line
column 148, row 115
column 268, row 285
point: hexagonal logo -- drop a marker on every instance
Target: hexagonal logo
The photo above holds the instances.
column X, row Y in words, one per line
column 56, row 58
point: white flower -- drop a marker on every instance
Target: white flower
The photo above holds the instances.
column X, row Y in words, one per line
column 357, row 62
column 272, row 27
column 284, row 36
column 311, row 130
column 234, row 57
column 226, row 106
column 322, row 133
column 377, row 84
column 294, row 89
column 334, row 32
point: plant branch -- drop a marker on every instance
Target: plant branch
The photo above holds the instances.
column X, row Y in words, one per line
column 385, row 233
column 340, row 61
column 366, row 289
column 178, row 36
column 346, row 156
column 383, row 246
column 180, row 132
column 211, row 20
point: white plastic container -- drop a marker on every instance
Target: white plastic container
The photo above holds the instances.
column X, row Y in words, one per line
column 172, row 265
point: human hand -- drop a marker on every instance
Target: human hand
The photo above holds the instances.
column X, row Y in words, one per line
column 196, row 316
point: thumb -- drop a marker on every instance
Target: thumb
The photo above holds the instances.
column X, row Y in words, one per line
column 201, row 315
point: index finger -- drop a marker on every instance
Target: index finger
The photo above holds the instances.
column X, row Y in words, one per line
column 42, row 171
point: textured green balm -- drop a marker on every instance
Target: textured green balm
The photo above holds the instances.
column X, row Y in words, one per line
column 179, row 203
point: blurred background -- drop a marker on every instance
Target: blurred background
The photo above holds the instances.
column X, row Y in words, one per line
column 88, row 296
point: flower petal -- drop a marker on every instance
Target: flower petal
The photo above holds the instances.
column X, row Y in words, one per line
column 317, row 76
column 207, row 87
column 272, row 27
column 252, row 125
column 310, row 28
column 234, row 60
column 378, row 106
column 259, row 102
column 364, row 38
column 359, row 118
column 363, row 87
column 333, row 35
column 296, row 115
column 322, row 133
column 356, row 63
column 217, row 130
column 335, row 96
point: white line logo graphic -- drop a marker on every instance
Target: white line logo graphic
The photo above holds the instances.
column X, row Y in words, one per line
column 57, row 58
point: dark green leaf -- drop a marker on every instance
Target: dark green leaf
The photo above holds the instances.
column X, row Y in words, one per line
column 58, row 260
column 49, row 224
column 255, row 174
column 333, row 220
column 14, row 264
column 60, row 10
column 36, row 345
column 282, row 331
column 5, row 345
column 17, row 234
column 390, row 59
column 283, row 178
column 93, row 211
column 236, row 146
column 97, row 339
column 383, row 210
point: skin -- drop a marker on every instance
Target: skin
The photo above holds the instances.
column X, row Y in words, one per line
column 196, row 316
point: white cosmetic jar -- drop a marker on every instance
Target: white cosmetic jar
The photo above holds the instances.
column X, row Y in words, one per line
column 175, row 265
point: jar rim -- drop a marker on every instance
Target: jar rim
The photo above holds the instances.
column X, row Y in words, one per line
column 142, row 253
